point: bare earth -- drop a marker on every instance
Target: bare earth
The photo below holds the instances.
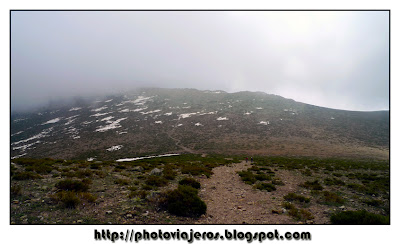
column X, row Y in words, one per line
column 230, row 201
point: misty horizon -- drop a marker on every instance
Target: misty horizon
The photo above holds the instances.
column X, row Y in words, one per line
column 333, row 59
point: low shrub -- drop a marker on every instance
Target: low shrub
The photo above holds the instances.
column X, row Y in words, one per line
column 247, row 177
column 138, row 193
column 196, row 170
column 277, row 182
column 169, row 173
column 312, row 185
column 87, row 196
column 184, row 202
column 16, row 190
column 154, row 180
column 300, row 214
column 40, row 168
column 360, row 217
column 122, row 182
column 288, row 205
column 26, row 176
column 334, row 182
column 373, row 202
column 262, row 177
column 294, row 197
column 72, row 185
column 69, row 198
column 190, row 182
column 332, row 198
column 265, row 186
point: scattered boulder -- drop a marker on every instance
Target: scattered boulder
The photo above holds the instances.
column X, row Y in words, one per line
column 138, row 168
column 156, row 171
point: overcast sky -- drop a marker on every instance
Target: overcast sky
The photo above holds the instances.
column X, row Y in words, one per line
column 331, row 59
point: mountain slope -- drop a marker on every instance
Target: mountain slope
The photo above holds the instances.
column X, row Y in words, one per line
column 158, row 121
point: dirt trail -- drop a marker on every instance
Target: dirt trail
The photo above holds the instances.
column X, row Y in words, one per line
column 230, row 201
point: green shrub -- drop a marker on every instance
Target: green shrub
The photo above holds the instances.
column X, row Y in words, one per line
column 288, row 205
column 190, row 182
column 185, row 202
column 294, row 197
column 247, row 177
column 138, row 193
column 87, row 196
column 307, row 172
column 361, row 217
column 154, row 180
column 277, row 182
column 262, row 177
column 72, row 185
column 332, row 198
column 16, row 190
column 196, row 170
column 69, row 198
column 312, row 185
column 337, row 174
column 333, row 182
column 169, row 173
column 373, row 202
column 301, row 214
column 40, row 168
column 122, row 182
column 26, row 176
column 265, row 186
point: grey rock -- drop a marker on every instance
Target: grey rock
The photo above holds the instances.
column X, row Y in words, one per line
column 156, row 171
column 138, row 168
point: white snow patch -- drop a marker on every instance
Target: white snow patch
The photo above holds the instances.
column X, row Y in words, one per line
column 99, row 109
column 168, row 114
column 24, row 147
column 179, row 125
column 75, row 137
column 90, row 159
column 139, row 109
column 98, row 114
column 259, row 108
column 70, row 121
column 141, row 100
column 222, row 118
column 184, row 116
column 133, row 159
column 40, row 135
column 264, row 122
column 198, row 124
column 122, row 132
column 107, row 118
column 18, row 156
column 248, row 113
column 209, row 113
column 17, row 120
column 52, row 121
column 187, row 107
column 75, row 109
column 111, row 126
column 332, row 118
column 114, row 148
column 158, row 122
column 108, row 101
column 151, row 112
column 17, row 133
column 86, row 122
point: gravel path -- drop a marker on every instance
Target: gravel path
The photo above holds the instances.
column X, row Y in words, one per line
column 231, row 201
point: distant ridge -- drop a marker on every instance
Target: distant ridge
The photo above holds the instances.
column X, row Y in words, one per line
column 156, row 121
